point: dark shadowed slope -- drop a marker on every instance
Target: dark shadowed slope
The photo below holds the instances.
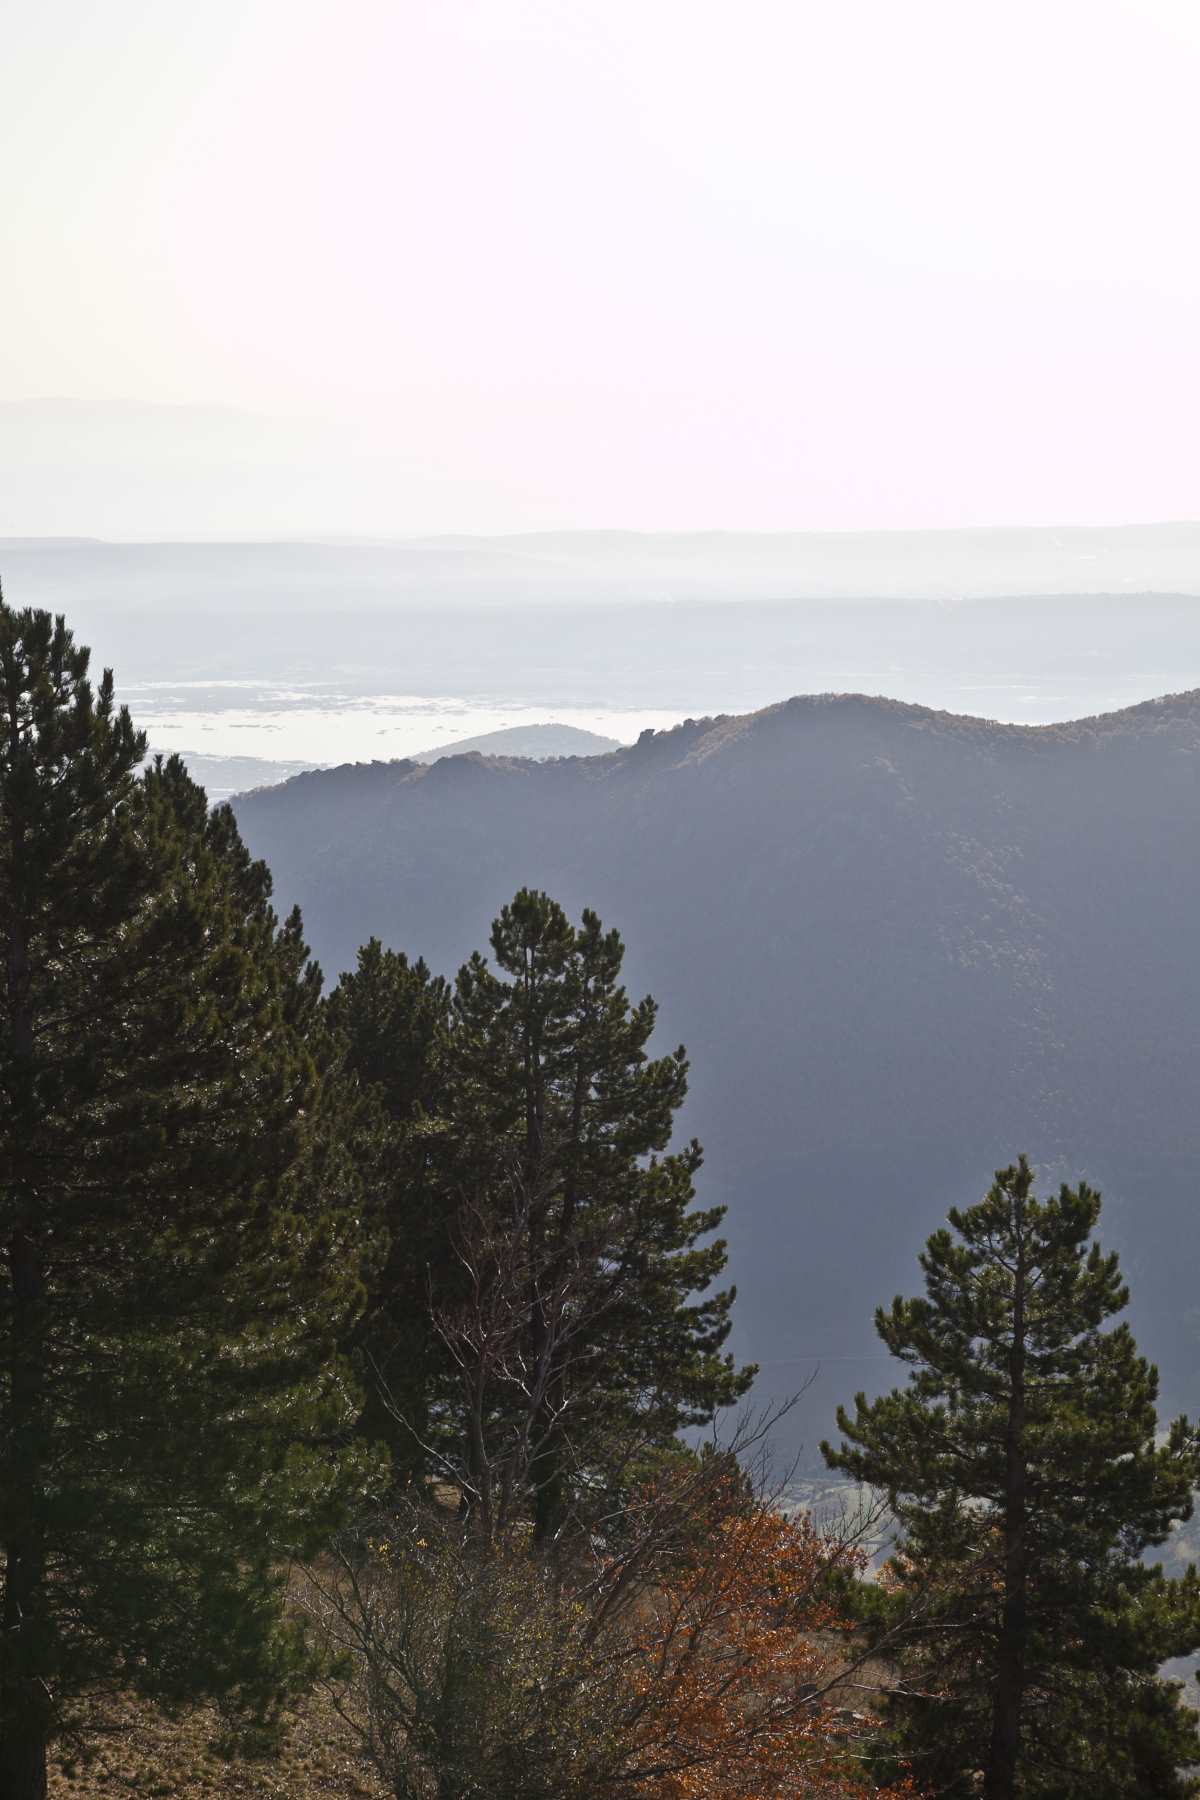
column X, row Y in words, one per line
column 900, row 946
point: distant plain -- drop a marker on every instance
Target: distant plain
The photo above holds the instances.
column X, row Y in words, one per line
column 321, row 653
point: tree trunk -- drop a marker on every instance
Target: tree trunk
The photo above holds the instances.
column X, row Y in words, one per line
column 23, row 1694
column 23, row 1763
column 23, row 1721
column 543, row 1465
column 1000, row 1775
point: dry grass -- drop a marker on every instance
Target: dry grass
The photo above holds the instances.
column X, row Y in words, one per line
column 132, row 1749
column 141, row 1752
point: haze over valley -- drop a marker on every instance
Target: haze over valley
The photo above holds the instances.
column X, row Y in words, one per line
column 312, row 654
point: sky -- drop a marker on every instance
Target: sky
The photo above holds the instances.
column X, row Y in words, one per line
column 407, row 266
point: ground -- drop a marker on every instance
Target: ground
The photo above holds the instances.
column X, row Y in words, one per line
column 146, row 1754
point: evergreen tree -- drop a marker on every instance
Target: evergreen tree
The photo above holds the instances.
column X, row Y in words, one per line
column 1023, row 1466
column 389, row 1017
column 558, row 1127
column 174, row 1271
column 513, row 1143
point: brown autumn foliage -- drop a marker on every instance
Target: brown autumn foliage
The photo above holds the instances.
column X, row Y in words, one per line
column 677, row 1637
column 700, row 1655
column 739, row 1664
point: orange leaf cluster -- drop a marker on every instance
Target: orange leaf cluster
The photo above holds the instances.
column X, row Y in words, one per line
column 737, row 1666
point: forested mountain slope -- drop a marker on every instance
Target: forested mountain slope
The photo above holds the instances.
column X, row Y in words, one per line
column 899, row 945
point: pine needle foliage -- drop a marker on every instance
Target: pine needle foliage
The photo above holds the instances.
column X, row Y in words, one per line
column 388, row 1017
column 174, row 1275
column 567, row 1278
column 568, row 1121
column 1024, row 1466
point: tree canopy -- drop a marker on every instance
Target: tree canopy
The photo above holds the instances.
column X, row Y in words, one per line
column 1024, row 1467
column 540, row 1187
column 175, row 1271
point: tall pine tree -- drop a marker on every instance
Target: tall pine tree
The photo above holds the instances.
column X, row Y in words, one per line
column 174, row 1274
column 543, row 1195
column 1023, row 1465
column 568, row 1120
column 388, row 1017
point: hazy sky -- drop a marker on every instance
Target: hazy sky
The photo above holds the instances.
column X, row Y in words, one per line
column 501, row 264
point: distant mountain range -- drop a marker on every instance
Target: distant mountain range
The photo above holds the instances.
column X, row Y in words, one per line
column 224, row 776
column 1027, row 626
column 900, row 946
column 289, row 574
column 536, row 742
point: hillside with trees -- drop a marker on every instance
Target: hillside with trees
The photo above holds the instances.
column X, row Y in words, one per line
column 894, row 941
column 371, row 1420
column 349, row 1342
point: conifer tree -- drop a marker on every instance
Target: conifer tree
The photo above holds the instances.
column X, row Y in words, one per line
column 174, row 1270
column 520, row 1179
column 558, row 1124
column 389, row 1018
column 1023, row 1465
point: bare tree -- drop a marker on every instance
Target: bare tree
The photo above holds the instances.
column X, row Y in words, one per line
column 694, row 1645
column 679, row 1622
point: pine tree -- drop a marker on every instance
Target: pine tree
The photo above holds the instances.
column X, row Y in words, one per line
column 1023, row 1467
column 174, row 1271
column 389, row 1017
column 558, row 1126
column 532, row 1222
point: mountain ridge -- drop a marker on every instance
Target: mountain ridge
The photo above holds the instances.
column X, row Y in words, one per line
column 727, row 727
column 900, row 944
